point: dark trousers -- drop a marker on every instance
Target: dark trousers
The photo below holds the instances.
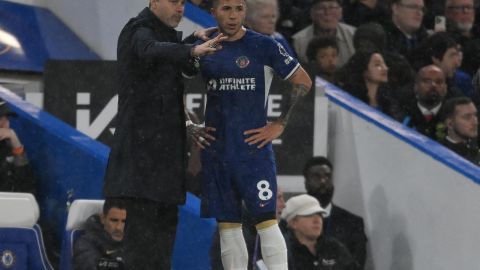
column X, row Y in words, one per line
column 149, row 237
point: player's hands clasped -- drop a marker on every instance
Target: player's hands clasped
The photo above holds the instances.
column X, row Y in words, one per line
column 200, row 135
column 209, row 46
column 264, row 134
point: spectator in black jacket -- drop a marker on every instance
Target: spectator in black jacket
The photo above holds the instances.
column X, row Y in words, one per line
column 461, row 120
column 405, row 31
column 311, row 248
column 100, row 245
column 16, row 174
column 339, row 223
column 423, row 112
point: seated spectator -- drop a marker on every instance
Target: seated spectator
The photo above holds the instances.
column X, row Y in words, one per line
column 441, row 50
column 400, row 72
column 338, row 223
column 358, row 12
column 422, row 113
column 322, row 54
column 405, row 30
column 365, row 76
column 262, row 18
column 326, row 16
column 461, row 120
column 460, row 15
column 99, row 247
column 16, row 174
column 310, row 247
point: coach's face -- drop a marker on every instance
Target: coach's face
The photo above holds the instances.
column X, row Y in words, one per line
column 230, row 15
column 170, row 12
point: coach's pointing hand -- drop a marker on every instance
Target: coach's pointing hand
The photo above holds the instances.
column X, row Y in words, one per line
column 208, row 47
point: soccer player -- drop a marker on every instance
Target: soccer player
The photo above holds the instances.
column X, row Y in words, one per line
column 239, row 165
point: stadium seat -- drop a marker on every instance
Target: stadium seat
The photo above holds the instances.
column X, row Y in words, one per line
column 21, row 241
column 79, row 212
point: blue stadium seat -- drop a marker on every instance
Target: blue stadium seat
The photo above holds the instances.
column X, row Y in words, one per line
column 79, row 212
column 21, row 241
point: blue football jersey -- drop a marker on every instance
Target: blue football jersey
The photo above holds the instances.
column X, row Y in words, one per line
column 238, row 81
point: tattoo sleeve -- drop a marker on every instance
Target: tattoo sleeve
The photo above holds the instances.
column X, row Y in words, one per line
column 298, row 92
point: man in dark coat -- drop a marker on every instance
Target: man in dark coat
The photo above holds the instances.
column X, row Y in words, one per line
column 461, row 120
column 338, row 223
column 423, row 112
column 99, row 246
column 16, row 175
column 405, row 30
column 146, row 165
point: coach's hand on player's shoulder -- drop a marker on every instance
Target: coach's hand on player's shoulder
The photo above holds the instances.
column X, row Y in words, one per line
column 209, row 46
column 200, row 135
column 264, row 134
column 204, row 34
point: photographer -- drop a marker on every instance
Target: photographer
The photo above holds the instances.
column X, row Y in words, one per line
column 99, row 247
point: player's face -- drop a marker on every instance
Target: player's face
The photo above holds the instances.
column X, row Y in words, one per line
column 230, row 15
column 170, row 12
column 307, row 227
column 114, row 223
column 464, row 122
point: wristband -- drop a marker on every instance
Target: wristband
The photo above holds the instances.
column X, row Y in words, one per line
column 18, row 150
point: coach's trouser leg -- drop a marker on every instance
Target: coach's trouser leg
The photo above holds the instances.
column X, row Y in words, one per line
column 274, row 249
column 149, row 235
column 233, row 248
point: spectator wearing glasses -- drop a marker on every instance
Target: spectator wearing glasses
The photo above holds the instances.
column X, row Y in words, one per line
column 326, row 16
column 405, row 31
column 460, row 15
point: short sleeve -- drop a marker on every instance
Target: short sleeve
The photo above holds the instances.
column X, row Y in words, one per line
column 280, row 60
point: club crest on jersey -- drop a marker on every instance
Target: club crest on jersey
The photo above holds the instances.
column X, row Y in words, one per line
column 8, row 259
column 284, row 53
column 242, row 62
column 212, row 85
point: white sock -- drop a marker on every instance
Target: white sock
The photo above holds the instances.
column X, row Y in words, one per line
column 233, row 249
column 274, row 249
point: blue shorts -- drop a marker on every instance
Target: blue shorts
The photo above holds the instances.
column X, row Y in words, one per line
column 227, row 183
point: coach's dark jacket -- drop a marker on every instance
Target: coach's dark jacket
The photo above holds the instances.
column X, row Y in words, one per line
column 147, row 157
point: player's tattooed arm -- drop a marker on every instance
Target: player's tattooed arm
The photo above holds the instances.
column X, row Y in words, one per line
column 296, row 94
column 198, row 133
column 301, row 84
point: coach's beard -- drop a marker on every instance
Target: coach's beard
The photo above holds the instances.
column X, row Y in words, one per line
column 324, row 196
